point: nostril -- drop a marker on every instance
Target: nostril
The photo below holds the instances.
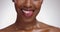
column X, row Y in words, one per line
column 28, row 3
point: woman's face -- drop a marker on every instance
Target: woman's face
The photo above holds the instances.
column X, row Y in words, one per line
column 27, row 9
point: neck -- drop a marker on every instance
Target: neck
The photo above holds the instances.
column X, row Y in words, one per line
column 22, row 25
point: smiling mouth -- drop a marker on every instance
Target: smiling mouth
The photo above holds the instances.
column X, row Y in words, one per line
column 27, row 12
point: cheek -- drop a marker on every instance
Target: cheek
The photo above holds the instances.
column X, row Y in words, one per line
column 19, row 2
column 37, row 4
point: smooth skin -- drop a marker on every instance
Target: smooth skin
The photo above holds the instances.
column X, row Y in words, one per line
column 29, row 24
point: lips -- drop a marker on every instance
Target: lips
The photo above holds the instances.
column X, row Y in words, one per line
column 27, row 12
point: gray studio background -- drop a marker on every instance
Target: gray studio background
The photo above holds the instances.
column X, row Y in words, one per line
column 50, row 13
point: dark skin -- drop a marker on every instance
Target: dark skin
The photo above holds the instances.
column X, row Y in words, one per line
column 28, row 24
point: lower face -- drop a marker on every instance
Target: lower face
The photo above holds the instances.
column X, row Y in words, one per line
column 27, row 10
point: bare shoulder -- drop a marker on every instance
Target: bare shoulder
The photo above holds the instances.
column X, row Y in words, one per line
column 49, row 27
column 54, row 29
column 7, row 29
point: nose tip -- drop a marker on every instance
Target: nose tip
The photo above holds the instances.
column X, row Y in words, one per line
column 28, row 3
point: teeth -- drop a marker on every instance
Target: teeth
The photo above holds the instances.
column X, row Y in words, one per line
column 26, row 11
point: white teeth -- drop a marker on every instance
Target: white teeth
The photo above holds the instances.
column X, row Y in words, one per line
column 26, row 11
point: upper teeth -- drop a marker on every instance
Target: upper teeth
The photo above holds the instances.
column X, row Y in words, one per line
column 25, row 11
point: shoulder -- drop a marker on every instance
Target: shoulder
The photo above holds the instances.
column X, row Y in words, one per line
column 54, row 29
column 49, row 27
column 7, row 29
